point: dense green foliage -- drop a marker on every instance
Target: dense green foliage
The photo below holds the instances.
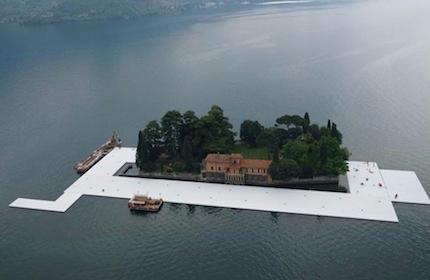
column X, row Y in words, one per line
column 181, row 141
column 284, row 168
column 249, row 132
column 297, row 147
column 149, row 146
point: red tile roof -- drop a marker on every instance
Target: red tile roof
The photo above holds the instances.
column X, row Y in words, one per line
column 222, row 158
column 245, row 163
column 255, row 163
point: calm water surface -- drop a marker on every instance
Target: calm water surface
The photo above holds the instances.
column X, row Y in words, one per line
column 65, row 87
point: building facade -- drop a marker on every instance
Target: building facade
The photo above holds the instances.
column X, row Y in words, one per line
column 234, row 169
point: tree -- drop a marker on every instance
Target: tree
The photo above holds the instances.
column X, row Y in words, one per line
column 153, row 133
column 189, row 121
column 148, row 147
column 171, row 125
column 152, row 136
column 307, row 170
column 306, row 153
column 285, row 120
column 333, row 156
column 296, row 150
column 215, row 131
column 310, row 162
column 297, row 147
column 306, row 122
column 315, row 131
column 284, row 169
column 297, row 121
column 187, row 153
column 142, row 151
column 324, row 131
column 189, row 129
column 313, row 158
column 291, row 132
column 335, row 133
column 249, row 132
column 269, row 138
column 324, row 152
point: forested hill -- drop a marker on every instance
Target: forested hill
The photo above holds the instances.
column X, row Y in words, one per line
column 45, row 11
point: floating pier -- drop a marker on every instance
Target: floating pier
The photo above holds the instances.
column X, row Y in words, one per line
column 372, row 191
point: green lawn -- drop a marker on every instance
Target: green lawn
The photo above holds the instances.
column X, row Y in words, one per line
column 254, row 153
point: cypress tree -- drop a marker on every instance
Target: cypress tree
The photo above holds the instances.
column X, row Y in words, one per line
column 187, row 153
column 335, row 133
column 306, row 122
column 307, row 119
column 329, row 124
column 142, row 151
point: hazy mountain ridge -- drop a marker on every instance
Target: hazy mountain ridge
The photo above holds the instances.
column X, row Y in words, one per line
column 44, row 11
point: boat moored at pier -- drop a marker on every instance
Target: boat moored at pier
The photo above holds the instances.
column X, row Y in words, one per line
column 145, row 203
column 83, row 166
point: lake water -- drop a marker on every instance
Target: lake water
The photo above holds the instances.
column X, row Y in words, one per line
column 65, row 87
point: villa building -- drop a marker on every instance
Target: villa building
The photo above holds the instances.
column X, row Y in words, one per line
column 234, row 169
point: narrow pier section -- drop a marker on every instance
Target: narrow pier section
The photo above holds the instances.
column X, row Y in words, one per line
column 60, row 205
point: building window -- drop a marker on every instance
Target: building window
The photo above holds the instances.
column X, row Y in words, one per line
column 219, row 168
column 212, row 168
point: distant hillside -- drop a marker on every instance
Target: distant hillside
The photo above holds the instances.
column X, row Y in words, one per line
column 16, row 11
column 45, row 11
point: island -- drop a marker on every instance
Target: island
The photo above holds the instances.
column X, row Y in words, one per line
column 293, row 166
column 293, row 153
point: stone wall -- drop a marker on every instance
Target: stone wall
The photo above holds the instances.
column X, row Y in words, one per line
column 322, row 183
column 256, row 179
column 215, row 177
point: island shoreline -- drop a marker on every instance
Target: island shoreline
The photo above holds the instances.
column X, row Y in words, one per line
column 319, row 183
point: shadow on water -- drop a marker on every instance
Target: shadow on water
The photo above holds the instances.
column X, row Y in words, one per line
column 212, row 210
column 174, row 206
column 140, row 213
column 320, row 219
column 191, row 209
column 274, row 217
